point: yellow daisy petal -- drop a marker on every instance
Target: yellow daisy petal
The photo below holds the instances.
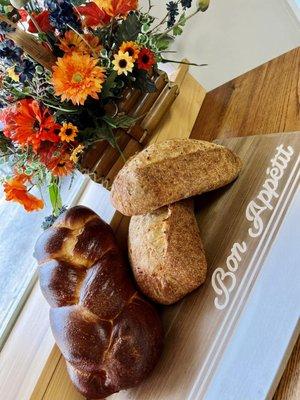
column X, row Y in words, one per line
column 123, row 63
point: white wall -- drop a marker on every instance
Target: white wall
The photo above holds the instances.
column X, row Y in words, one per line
column 235, row 36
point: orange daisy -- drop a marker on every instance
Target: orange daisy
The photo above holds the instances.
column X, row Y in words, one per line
column 62, row 166
column 77, row 76
column 132, row 48
column 68, row 132
column 57, row 159
column 15, row 190
column 85, row 44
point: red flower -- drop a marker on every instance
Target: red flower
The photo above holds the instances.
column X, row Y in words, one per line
column 93, row 14
column 23, row 14
column 117, row 7
column 26, row 123
column 15, row 190
column 42, row 20
column 146, row 59
column 57, row 158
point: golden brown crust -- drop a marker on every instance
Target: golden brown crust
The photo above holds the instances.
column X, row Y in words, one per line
column 109, row 335
column 171, row 171
column 166, row 252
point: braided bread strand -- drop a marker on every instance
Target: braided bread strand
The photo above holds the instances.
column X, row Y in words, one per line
column 110, row 337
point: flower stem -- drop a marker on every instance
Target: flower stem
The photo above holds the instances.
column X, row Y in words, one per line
column 179, row 22
column 162, row 21
column 85, row 41
column 58, row 108
column 165, row 60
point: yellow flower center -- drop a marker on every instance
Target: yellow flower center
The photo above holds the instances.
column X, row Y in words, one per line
column 77, row 77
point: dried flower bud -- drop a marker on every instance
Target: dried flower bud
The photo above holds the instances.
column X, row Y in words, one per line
column 203, row 4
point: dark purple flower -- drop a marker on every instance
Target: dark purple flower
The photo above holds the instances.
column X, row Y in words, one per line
column 172, row 9
column 62, row 15
column 186, row 4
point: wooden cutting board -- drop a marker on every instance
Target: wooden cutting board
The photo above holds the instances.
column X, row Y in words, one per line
column 239, row 225
column 229, row 340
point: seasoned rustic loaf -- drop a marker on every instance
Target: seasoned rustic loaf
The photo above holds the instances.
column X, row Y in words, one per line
column 171, row 171
column 109, row 335
column 166, row 253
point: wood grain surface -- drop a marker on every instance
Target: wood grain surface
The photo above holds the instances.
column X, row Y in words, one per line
column 196, row 332
column 262, row 101
column 54, row 383
column 193, row 323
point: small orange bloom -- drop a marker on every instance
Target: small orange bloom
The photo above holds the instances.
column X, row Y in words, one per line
column 27, row 123
column 117, row 7
column 85, row 43
column 77, row 76
column 68, row 132
column 15, row 190
column 132, row 48
column 57, row 159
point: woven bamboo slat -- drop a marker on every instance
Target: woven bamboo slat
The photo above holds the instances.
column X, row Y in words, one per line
column 102, row 162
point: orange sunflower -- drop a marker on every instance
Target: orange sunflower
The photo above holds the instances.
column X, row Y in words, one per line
column 132, row 48
column 57, row 159
column 85, row 44
column 28, row 123
column 117, row 7
column 15, row 190
column 77, row 76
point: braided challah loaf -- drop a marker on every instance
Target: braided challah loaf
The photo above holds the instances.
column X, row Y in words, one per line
column 110, row 337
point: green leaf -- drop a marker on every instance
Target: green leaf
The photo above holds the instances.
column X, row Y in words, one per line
column 129, row 29
column 109, row 84
column 145, row 28
column 55, row 198
column 142, row 39
column 120, row 121
column 182, row 20
column 162, row 42
column 177, row 30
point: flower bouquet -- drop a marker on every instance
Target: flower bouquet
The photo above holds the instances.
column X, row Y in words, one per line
column 68, row 70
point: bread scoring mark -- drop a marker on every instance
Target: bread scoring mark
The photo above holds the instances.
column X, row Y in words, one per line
column 224, row 281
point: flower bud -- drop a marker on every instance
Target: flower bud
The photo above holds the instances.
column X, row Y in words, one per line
column 203, row 4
